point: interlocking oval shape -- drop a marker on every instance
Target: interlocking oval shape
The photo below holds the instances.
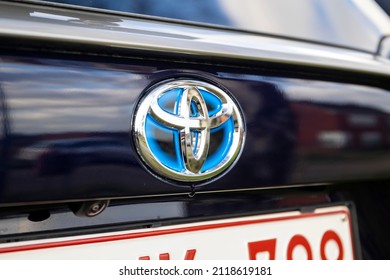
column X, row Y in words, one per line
column 186, row 123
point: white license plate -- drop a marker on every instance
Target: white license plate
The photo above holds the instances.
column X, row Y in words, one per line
column 323, row 234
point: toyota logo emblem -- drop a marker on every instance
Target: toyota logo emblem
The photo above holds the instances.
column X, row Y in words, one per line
column 188, row 131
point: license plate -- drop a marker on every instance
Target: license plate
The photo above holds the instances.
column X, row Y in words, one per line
column 325, row 233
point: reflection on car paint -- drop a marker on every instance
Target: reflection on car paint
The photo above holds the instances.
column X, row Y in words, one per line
column 70, row 130
column 65, row 155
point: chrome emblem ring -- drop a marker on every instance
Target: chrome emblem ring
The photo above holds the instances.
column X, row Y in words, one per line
column 188, row 131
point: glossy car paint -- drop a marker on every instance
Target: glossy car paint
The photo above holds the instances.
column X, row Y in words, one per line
column 298, row 131
column 85, row 32
column 324, row 21
column 317, row 132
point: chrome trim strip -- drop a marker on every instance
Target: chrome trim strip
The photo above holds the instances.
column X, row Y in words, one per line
column 190, row 194
column 27, row 21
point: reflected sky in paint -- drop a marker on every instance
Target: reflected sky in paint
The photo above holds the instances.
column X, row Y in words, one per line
column 74, row 98
column 327, row 21
column 336, row 93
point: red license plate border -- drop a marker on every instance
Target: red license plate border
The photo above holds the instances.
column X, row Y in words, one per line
column 189, row 226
